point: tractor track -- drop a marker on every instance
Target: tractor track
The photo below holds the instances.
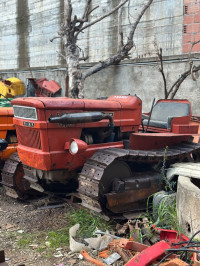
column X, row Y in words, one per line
column 94, row 168
column 91, row 175
column 8, row 172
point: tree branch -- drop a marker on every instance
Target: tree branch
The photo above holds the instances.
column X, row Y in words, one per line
column 193, row 44
column 120, row 32
column 63, row 56
column 134, row 26
column 124, row 51
column 56, row 37
column 68, row 15
column 177, row 84
column 102, row 17
column 161, row 69
column 86, row 10
column 101, row 65
column 84, row 58
column 130, row 43
column 193, row 69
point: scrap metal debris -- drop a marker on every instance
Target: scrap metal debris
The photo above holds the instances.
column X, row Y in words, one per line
column 42, row 87
column 112, row 258
column 170, row 247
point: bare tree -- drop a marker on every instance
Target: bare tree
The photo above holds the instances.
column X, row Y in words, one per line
column 192, row 70
column 73, row 26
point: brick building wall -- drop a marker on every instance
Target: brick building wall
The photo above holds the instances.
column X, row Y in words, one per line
column 191, row 25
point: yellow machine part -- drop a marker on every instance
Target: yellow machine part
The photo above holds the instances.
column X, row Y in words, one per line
column 12, row 87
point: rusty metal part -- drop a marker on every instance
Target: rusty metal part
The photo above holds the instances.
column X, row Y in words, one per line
column 132, row 245
column 13, row 178
column 175, row 262
column 51, row 206
column 42, row 87
column 130, row 225
column 117, row 245
column 90, row 259
column 122, row 201
column 126, row 248
column 123, row 229
column 2, row 258
column 125, row 254
column 105, row 166
column 104, row 254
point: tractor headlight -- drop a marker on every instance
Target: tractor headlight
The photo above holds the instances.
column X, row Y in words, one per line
column 73, row 147
column 77, row 146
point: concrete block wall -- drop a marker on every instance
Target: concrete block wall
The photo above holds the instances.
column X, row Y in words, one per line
column 161, row 24
column 26, row 27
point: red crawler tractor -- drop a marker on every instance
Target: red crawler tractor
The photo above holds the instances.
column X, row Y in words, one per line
column 116, row 155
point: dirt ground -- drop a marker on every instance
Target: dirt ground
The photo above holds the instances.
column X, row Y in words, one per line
column 18, row 218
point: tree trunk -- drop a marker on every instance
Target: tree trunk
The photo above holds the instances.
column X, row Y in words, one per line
column 76, row 82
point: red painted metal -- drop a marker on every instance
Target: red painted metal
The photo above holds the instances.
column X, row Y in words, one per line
column 50, row 148
column 179, row 125
column 46, row 88
column 61, row 159
column 53, row 154
column 150, row 141
column 171, row 236
column 132, row 245
column 149, row 254
column 82, row 146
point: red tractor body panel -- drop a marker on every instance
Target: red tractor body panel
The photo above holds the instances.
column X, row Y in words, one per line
column 42, row 145
column 151, row 141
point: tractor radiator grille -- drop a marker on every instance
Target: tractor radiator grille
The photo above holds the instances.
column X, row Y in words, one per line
column 25, row 112
column 28, row 137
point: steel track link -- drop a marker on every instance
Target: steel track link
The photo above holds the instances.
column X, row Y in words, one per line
column 8, row 174
column 90, row 177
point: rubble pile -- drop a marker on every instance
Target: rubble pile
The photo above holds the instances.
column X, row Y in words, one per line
column 146, row 245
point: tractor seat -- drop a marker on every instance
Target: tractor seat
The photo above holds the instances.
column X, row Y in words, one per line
column 164, row 112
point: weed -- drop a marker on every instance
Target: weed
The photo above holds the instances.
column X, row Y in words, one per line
column 88, row 222
column 169, row 186
column 26, row 240
column 47, row 242
column 58, row 238
column 166, row 214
